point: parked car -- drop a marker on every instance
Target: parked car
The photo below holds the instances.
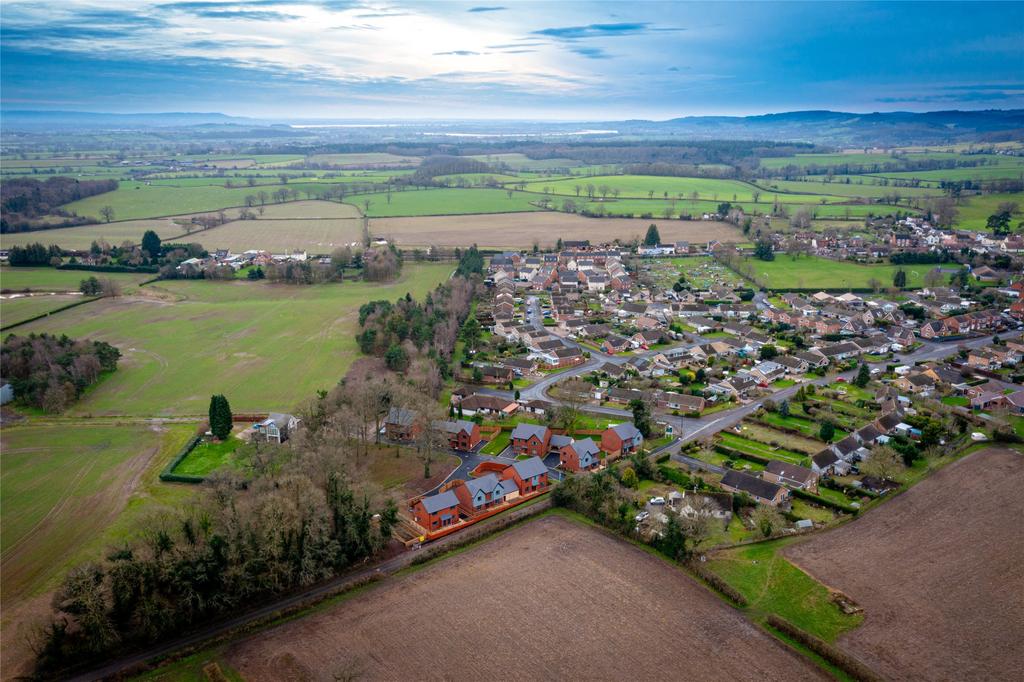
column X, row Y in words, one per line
column 642, row 516
column 657, row 500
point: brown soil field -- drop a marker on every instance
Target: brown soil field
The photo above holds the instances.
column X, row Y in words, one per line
column 552, row 599
column 521, row 230
column 316, row 235
column 939, row 571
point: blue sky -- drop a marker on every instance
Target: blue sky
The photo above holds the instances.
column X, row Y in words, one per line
column 499, row 59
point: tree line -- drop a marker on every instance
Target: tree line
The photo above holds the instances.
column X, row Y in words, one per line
column 22, row 200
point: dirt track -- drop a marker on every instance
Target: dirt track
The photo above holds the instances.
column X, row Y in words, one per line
column 520, row 230
column 552, row 599
column 939, row 572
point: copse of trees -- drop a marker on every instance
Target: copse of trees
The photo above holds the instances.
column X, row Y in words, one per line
column 51, row 372
column 382, row 264
column 33, row 254
column 471, row 262
column 24, row 199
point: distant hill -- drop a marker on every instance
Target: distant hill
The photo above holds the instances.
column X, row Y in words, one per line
column 844, row 128
column 832, row 128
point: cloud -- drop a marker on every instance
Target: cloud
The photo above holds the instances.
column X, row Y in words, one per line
column 487, row 9
column 591, row 52
column 515, row 45
column 251, row 15
column 602, row 30
column 457, row 53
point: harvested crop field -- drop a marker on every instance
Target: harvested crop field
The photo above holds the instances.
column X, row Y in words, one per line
column 938, row 571
column 552, row 599
column 316, row 235
column 521, row 230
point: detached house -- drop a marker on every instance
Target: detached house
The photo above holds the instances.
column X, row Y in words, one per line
column 621, row 439
column 277, row 427
column 436, row 511
column 479, row 494
column 462, row 434
column 531, row 439
column 529, row 475
column 791, row 475
column 761, row 490
column 400, row 424
column 581, row 455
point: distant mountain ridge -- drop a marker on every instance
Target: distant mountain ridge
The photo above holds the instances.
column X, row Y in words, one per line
column 815, row 126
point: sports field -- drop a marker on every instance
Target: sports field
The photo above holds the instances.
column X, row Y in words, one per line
column 266, row 347
column 549, row 585
column 809, row 272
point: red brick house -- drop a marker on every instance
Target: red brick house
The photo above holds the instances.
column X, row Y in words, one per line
column 480, row 494
column 435, row 512
column 462, row 434
column 402, row 424
column 531, row 439
column 581, row 455
column 529, row 475
column 621, row 439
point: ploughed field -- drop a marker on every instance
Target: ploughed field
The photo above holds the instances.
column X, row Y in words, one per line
column 938, row 571
column 552, row 599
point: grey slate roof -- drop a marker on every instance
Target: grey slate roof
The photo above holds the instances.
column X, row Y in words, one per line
column 525, row 431
column 529, row 468
column 626, row 430
column 436, row 503
column 401, row 416
column 560, row 441
column 766, row 490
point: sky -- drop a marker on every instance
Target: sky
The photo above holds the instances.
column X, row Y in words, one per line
column 500, row 59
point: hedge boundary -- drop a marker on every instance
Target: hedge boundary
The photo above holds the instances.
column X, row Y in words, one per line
column 717, row 584
column 149, row 269
column 739, row 454
column 52, row 312
column 168, row 475
column 842, row 660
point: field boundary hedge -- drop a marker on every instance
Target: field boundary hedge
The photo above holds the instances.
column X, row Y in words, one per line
column 149, row 269
column 168, row 475
column 717, row 584
column 51, row 312
column 733, row 453
column 842, row 660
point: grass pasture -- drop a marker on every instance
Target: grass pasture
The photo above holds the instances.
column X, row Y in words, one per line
column 316, row 235
column 20, row 308
column 813, row 272
column 52, row 279
column 187, row 339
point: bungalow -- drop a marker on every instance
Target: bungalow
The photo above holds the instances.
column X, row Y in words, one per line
column 841, row 351
column 791, row 475
column 497, row 375
column 767, row 372
column 436, row 511
column 462, row 434
column 614, row 344
column 1015, row 401
column 715, row 505
column 479, row 494
column 647, row 338
column 531, row 439
column 581, row 455
column 488, row 405
column 529, row 475
column 761, row 490
column 737, row 386
column 687, row 404
column 538, row 407
column 401, row 424
column 814, row 359
column 621, row 439
column 828, row 462
column 277, row 427
column 792, row 364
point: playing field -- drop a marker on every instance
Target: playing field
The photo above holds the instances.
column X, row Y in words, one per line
column 574, row 602
column 522, row 230
column 938, row 573
column 266, row 347
column 810, row 272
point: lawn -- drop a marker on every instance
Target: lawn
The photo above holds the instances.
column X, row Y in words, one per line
column 773, row 585
column 498, row 444
column 956, row 401
column 443, row 202
column 267, row 347
column 813, row 272
column 755, row 448
column 208, row 456
column 804, row 426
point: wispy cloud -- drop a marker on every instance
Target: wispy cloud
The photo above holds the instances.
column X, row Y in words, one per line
column 591, row 52
column 457, row 53
column 487, row 9
column 601, row 30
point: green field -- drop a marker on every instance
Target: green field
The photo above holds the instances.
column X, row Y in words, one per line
column 843, row 189
column 207, row 457
column 974, row 212
column 52, row 279
column 267, row 347
column 641, row 186
column 443, row 202
column 15, row 310
column 811, row 272
column 70, row 488
column 133, row 200
column 773, row 585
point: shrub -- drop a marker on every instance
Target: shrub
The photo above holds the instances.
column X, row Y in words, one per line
column 848, row 664
column 719, row 585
